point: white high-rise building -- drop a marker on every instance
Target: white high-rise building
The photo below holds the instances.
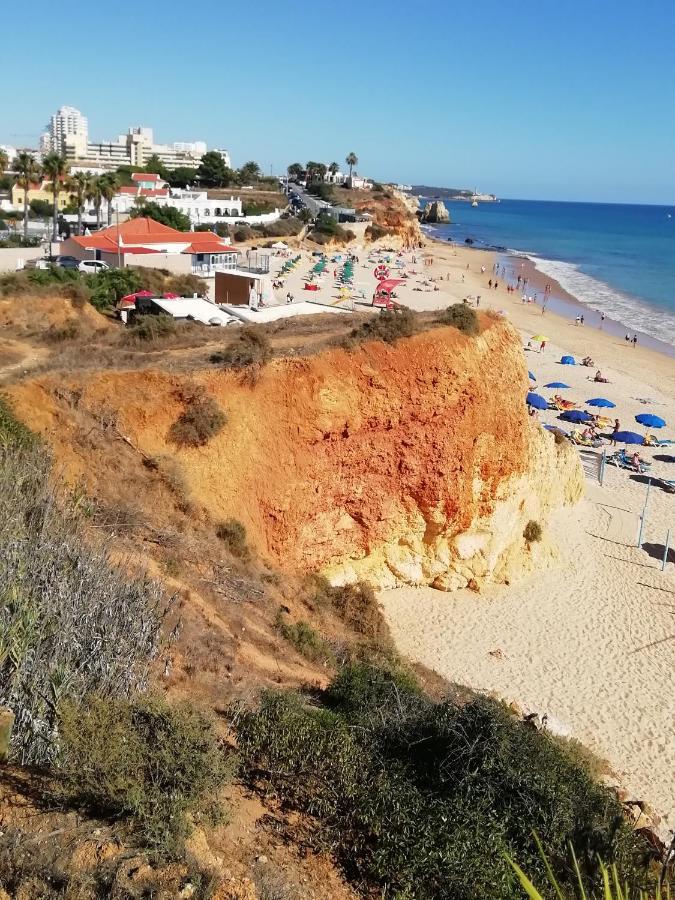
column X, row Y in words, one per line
column 69, row 124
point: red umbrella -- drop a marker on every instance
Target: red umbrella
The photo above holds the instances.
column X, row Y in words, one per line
column 132, row 298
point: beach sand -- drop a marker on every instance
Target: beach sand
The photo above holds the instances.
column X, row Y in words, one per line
column 591, row 642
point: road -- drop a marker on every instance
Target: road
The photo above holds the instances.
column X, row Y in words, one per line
column 313, row 204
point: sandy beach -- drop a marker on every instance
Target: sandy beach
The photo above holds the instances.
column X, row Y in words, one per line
column 591, row 642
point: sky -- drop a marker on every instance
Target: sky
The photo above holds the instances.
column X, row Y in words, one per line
column 540, row 99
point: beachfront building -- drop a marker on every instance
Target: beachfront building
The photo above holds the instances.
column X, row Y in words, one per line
column 144, row 242
column 356, row 183
column 334, row 177
column 200, row 208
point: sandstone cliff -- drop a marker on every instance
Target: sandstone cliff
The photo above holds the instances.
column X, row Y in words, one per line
column 414, row 463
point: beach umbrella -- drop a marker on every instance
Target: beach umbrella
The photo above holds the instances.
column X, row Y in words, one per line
column 650, row 420
column 628, row 437
column 576, row 415
column 600, row 401
column 536, row 400
column 539, row 337
column 556, row 384
column 568, row 361
column 531, row 376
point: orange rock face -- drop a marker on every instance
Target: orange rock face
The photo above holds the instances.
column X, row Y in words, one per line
column 409, row 463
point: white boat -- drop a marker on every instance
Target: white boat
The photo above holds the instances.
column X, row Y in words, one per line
column 474, row 202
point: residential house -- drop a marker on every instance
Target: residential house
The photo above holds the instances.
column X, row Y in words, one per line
column 41, row 190
column 357, row 183
column 144, row 242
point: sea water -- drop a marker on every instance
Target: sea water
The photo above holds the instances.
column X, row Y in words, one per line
column 617, row 258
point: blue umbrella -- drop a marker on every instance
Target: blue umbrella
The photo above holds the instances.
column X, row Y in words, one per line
column 556, row 384
column 628, row 437
column 576, row 415
column 650, row 420
column 568, row 361
column 536, row 400
column 531, row 376
column 600, row 401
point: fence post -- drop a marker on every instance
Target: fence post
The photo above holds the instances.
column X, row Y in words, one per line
column 665, row 551
column 644, row 511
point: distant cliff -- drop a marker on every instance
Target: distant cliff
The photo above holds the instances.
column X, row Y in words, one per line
column 429, row 192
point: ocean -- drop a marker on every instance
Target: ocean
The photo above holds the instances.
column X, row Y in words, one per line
column 616, row 258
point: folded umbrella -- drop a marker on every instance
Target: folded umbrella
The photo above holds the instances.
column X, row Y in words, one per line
column 531, row 376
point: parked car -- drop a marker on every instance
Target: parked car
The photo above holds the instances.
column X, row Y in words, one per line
column 67, row 262
column 92, row 266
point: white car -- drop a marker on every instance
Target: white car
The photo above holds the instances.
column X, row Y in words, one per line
column 92, row 266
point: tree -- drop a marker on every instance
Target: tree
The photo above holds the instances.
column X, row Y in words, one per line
column 56, row 168
column 182, row 177
column 213, row 172
column 295, row 170
column 250, row 171
column 108, row 190
column 155, row 166
column 165, row 215
column 333, row 168
column 351, row 160
column 28, row 172
column 97, row 186
column 41, row 209
column 4, row 162
column 80, row 185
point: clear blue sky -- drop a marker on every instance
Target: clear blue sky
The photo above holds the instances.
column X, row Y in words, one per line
column 550, row 99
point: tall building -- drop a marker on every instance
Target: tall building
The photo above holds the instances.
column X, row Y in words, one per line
column 67, row 124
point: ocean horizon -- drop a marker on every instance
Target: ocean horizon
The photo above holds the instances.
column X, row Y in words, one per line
column 616, row 258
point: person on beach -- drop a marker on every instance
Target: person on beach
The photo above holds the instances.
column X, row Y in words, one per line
column 477, row 301
column 543, row 347
column 496, row 285
column 627, row 339
column 581, row 320
column 634, row 341
column 615, row 430
column 602, row 319
column 490, row 285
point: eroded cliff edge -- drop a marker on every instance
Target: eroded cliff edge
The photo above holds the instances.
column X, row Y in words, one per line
column 407, row 464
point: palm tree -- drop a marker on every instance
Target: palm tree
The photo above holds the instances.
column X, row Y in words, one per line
column 108, row 190
column 351, row 160
column 55, row 167
column 4, row 162
column 80, row 185
column 333, row 168
column 28, row 172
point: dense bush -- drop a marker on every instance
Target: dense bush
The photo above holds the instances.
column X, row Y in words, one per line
column 288, row 227
column 306, row 640
column 233, row 534
column 165, row 215
column 144, row 759
column 150, row 328
column 201, row 420
column 422, row 799
column 462, row 317
column 243, row 233
column 357, row 607
column 532, row 532
column 250, row 347
column 71, row 622
column 388, row 326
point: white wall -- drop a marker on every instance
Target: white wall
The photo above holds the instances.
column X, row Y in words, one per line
column 10, row 255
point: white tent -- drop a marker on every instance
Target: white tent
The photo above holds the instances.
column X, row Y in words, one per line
column 279, row 246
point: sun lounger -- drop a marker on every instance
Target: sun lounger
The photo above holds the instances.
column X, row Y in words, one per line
column 624, row 461
column 577, row 438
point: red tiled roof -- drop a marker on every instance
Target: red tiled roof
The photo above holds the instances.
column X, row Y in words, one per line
column 144, row 230
column 145, row 176
column 207, row 242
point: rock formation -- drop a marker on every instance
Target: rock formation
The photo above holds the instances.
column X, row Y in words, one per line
column 435, row 213
column 407, row 464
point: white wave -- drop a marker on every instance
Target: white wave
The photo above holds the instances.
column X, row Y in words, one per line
column 635, row 314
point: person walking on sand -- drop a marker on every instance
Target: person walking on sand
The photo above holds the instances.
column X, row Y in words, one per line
column 496, row 285
column 634, row 341
column 602, row 319
column 490, row 285
column 581, row 320
column 543, row 347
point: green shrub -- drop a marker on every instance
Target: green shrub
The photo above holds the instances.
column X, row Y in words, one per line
column 150, row 328
column 142, row 759
column 532, row 532
column 71, row 621
column 462, row 317
column 110, row 285
column 250, row 347
column 242, row 233
column 304, row 638
column 422, row 799
column 201, row 420
column 388, row 326
column 233, row 534
column 357, row 607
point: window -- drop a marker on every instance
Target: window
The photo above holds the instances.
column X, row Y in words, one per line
column 216, row 211
column 207, row 212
